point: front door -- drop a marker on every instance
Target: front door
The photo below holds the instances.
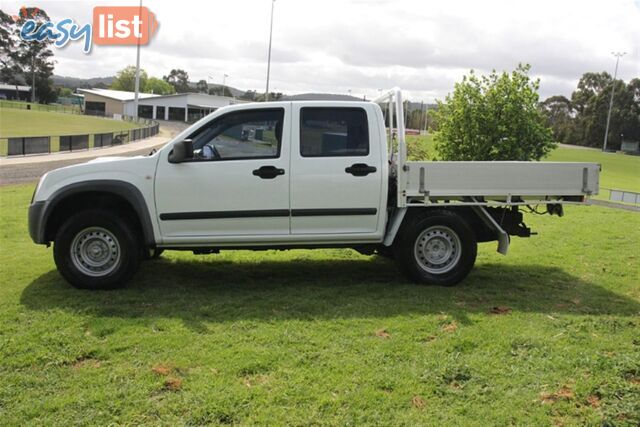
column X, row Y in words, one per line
column 336, row 173
column 237, row 184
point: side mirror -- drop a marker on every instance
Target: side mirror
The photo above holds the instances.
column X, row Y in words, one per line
column 183, row 150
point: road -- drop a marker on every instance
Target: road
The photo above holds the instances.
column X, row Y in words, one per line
column 30, row 172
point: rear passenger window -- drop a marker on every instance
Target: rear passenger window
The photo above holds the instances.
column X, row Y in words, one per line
column 329, row 132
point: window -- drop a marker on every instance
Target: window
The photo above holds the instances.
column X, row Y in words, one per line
column 328, row 132
column 94, row 108
column 251, row 134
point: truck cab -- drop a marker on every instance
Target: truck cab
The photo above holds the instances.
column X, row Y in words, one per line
column 284, row 175
column 290, row 172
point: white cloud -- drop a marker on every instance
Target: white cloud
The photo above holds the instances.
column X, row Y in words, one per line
column 364, row 45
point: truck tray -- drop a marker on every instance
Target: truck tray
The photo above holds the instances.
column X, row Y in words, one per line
column 501, row 179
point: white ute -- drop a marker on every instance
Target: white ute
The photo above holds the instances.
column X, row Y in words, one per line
column 283, row 175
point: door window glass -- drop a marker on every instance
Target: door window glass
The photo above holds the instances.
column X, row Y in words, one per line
column 250, row 134
column 329, row 132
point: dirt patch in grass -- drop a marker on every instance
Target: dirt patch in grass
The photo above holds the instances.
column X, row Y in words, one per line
column 382, row 333
column 500, row 309
column 418, row 402
column 172, row 384
column 450, row 327
column 565, row 393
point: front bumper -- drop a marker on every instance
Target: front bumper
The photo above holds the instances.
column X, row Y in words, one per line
column 36, row 222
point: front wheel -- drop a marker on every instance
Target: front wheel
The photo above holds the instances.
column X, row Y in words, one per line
column 437, row 248
column 96, row 250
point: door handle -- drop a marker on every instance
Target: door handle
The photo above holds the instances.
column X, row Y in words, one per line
column 360, row 169
column 268, row 172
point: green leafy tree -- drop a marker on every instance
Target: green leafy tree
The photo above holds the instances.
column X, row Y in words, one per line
column 10, row 71
column 126, row 79
column 158, row 86
column 179, row 79
column 202, row 86
column 65, row 91
column 590, row 102
column 559, row 113
column 249, row 95
column 33, row 59
column 494, row 117
column 220, row 91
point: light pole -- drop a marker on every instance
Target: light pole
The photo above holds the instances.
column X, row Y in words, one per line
column 224, row 81
column 137, row 84
column 618, row 55
column 266, row 95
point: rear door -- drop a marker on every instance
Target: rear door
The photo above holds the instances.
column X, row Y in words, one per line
column 336, row 170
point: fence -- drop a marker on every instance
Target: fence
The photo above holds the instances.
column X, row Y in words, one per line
column 624, row 196
column 49, row 144
column 74, row 109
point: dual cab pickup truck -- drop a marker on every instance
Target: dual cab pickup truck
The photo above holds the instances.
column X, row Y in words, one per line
column 283, row 175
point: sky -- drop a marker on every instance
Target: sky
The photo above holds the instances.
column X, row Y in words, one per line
column 362, row 46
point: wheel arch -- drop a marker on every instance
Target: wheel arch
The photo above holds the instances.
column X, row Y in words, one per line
column 479, row 228
column 107, row 194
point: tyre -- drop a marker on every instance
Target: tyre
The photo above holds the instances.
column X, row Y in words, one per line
column 96, row 250
column 437, row 248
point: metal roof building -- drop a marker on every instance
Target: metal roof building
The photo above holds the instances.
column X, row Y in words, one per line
column 13, row 92
column 179, row 107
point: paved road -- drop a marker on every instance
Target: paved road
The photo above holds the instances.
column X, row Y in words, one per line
column 30, row 172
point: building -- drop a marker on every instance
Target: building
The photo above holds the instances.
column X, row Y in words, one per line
column 179, row 107
column 631, row 147
column 15, row 93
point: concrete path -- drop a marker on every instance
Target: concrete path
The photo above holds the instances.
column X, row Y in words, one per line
column 608, row 204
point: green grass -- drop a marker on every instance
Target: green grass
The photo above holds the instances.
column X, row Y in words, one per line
column 619, row 171
column 329, row 337
column 39, row 123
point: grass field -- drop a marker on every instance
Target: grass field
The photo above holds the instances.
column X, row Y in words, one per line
column 619, row 171
column 15, row 122
column 71, row 109
column 547, row 335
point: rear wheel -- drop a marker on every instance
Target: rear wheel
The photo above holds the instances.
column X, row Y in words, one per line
column 96, row 250
column 437, row 248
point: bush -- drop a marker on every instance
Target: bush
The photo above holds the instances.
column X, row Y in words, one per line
column 493, row 117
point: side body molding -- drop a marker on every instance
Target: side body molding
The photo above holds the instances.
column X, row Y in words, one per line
column 40, row 212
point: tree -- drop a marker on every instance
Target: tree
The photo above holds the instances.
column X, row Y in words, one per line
column 126, row 79
column 220, row 91
column 64, row 92
column 494, row 117
column 273, row 96
column 10, row 72
column 179, row 79
column 33, row 58
column 249, row 95
column 158, row 86
column 202, row 86
column 590, row 101
column 559, row 113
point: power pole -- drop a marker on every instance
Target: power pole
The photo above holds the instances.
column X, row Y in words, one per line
column 266, row 95
column 618, row 55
